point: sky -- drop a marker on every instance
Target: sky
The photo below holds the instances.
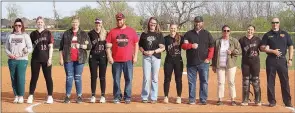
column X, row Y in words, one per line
column 45, row 9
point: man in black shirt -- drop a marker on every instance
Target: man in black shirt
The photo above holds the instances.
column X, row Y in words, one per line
column 198, row 44
column 275, row 43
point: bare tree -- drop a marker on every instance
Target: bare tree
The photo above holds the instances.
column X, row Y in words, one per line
column 13, row 11
column 291, row 3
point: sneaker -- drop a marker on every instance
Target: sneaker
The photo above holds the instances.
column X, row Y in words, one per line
column 219, row 103
column 258, row 103
column 30, row 99
column 116, row 102
column 144, row 101
column 92, row 99
column 127, row 101
column 244, row 104
column 166, row 100
column 272, row 105
column 178, row 100
column 15, row 99
column 67, row 100
column 203, row 103
column 154, row 101
column 49, row 100
column 20, row 100
column 289, row 105
column 192, row 103
column 233, row 103
column 102, row 99
column 79, row 99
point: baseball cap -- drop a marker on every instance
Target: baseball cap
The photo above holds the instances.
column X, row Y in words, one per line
column 120, row 16
column 98, row 20
column 198, row 19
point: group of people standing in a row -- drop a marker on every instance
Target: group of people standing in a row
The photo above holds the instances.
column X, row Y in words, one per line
column 120, row 46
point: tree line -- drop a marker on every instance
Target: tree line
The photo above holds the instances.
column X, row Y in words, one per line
column 238, row 15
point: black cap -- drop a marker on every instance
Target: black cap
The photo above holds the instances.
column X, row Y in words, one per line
column 198, row 19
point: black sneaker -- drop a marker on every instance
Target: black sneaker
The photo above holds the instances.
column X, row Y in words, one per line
column 272, row 105
column 67, row 100
column 289, row 105
column 79, row 99
column 127, row 101
column 203, row 103
column 233, row 103
column 219, row 103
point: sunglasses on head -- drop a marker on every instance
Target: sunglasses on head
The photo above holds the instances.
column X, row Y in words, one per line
column 275, row 22
column 17, row 25
column 226, row 30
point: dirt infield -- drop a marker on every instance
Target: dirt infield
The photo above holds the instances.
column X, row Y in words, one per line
column 136, row 105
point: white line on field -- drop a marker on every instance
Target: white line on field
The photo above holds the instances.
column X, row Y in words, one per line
column 30, row 108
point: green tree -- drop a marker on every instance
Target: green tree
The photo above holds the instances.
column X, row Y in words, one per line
column 261, row 24
column 87, row 16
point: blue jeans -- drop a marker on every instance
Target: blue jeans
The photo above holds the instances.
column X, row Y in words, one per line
column 73, row 72
column 127, row 68
column 151, row 66
column 203, row 70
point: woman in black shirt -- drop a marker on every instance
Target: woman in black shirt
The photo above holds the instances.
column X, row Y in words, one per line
column 151, row 44
column 98, row 59
column 250, row 66
column 173, row 61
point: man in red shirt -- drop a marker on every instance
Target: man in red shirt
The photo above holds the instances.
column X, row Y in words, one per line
column 122, row 49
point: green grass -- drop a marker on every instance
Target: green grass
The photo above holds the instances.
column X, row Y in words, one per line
column 55, row 59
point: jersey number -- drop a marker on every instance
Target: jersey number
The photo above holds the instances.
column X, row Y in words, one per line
column 43, row 47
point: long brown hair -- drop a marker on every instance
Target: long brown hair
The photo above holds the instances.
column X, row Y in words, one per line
column 23, row 26
column 157, row 30
column 177, row 35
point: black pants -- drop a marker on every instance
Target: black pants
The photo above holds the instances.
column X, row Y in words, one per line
column 35, row 69
column 250, row 71
column 171, row 64
column 95, row 62
column 279, row 66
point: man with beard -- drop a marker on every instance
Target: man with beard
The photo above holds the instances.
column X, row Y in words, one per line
column 122, row 49
column 198, row 44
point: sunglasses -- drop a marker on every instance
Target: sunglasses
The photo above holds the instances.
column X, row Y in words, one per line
column 17, row 25
column 275, row 22
column 226, row 30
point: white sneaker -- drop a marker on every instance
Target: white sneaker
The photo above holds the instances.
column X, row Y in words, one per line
column 49, row 100
column 30, row 99
column 15, row 99
column 178, row 100
column 102, row 99
column 166, row 100
column 92, row 99
column 20, row 100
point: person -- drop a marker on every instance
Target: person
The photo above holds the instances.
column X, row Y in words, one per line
column 42, row 40
column 224, row 63
column 275, row 43
column 98, row 59
column 199, row 47
column 250, row 66
column 173, row 61
column 151, row 44
column 17, row 47
column 122, row 49
column 73, row 55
